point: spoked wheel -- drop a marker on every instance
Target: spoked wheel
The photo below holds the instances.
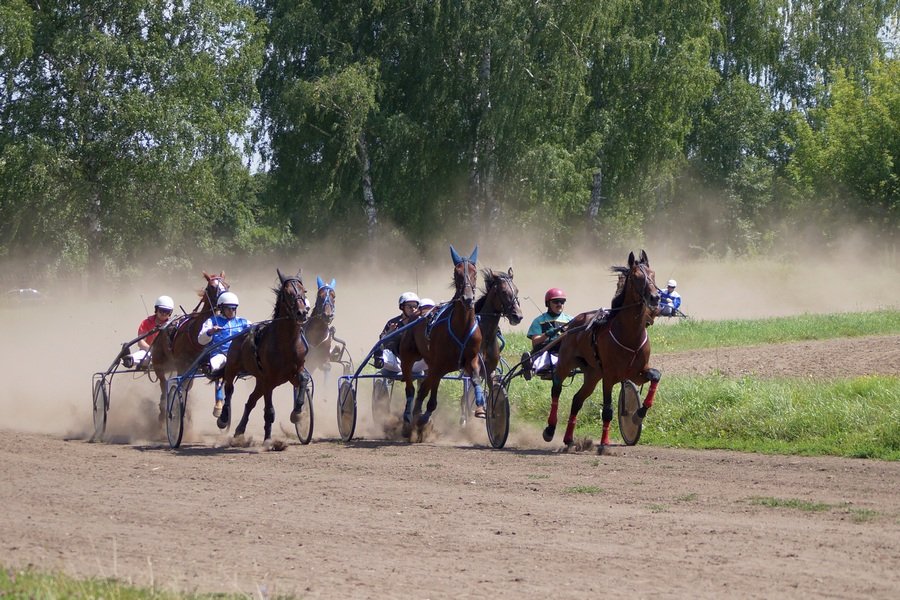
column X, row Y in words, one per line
column 381, row 401
column 630, row 423
column 497, row 414
column 176, row 401
column 304, row 426
column 101, row 406
column 346, row 410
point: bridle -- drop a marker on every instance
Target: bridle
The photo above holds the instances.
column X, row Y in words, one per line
column 509, row 300
column 466, row 295
column 297, row 295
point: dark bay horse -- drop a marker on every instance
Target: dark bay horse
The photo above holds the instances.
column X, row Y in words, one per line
column 612, row 349
column 500, row 299
column 451, row 343
column 176, row 347
column 317, row 328
column 273, row 353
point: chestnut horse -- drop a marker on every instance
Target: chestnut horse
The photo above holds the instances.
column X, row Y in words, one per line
column 612, row 349
column 273, row 353
column 452, row 342
column 500, row 299
column 176, row 348
column 317, row 328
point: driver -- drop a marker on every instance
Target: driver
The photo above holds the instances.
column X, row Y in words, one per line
column 669, row 299
column 387, row 356
column 217, row 329
column 544, row 329
column 162, row 310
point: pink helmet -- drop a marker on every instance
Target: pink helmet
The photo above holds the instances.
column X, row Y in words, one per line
column 553, row 294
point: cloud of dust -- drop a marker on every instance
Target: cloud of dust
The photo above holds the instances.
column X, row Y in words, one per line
column 51, row 350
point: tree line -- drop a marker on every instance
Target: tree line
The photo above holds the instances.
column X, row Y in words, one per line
column 155, row 130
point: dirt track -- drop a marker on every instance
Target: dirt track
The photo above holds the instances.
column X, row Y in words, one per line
column 453, row 519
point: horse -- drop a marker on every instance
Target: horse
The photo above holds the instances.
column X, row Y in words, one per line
column 614, row 348
column 273, row 352
column 500, row 299
column 317, row 328
column 451, row 342
column 176, row 348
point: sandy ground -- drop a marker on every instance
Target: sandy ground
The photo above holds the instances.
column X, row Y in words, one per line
column 450, row 518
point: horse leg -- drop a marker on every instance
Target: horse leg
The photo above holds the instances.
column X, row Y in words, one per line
column 303, row 379
column 476, row 379
column 225, row 387
column 555, row 391
column 607, row 411
column 583, row 393
column 248, row 408
column 268, row 414
column 653, row 376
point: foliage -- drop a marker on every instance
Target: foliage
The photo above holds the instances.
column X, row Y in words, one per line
column 150, row 130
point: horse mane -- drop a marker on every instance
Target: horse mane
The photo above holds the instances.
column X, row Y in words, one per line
column 490, row 278
column 619, row 297
column 277, row 292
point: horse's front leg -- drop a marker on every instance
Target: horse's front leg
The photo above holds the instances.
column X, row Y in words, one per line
column 248, row 408
column 224, row 390
column 428, row 385
column 474, row 373
column 653, row 376
column 302, row 381
column 268, row 415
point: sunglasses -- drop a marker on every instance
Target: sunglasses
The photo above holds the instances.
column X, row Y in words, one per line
column 558, row 301
column 164, row 311
column 410, row 305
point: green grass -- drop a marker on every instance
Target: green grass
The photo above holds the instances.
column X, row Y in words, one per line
column 27, row 584
column 852, row 417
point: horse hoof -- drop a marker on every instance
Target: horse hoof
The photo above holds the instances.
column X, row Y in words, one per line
column 223, row 423
column 548, row 433
column 407, row 430
column 295, row 416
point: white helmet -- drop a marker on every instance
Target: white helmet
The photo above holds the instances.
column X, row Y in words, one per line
column 228, row 299
column 407, row 297
column 164, row 302
column 426, row 303
column 672, row 283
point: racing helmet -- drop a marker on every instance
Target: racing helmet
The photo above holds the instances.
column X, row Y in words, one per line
column 228, row 299
column 426, row 303
column 553, row 294
column 164, row 302
column 671, row 283
column 407, row 297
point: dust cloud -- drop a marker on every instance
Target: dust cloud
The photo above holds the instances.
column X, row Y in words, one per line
column 51, row 350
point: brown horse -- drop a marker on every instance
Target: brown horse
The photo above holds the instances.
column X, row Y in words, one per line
column 317, row 328
column 273, row 353
column 176, row 347
column 612, row 349
column 451, row 342
column 500, row 299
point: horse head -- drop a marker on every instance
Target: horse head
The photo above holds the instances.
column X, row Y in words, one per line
column 324, row 308
column 503, row 295
column 215, row 285
column 640, row 283
column 465, row 276
column 291, row 300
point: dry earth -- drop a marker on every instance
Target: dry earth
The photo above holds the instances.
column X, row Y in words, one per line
column 454, row 519
column 450, row 518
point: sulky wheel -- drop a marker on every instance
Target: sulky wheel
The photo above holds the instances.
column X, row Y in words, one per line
column 101, row 407
column 304, row 426
column 630, row 423
column 346, row 410
column 497, row 413
column 176, row 401
column 381, row 400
